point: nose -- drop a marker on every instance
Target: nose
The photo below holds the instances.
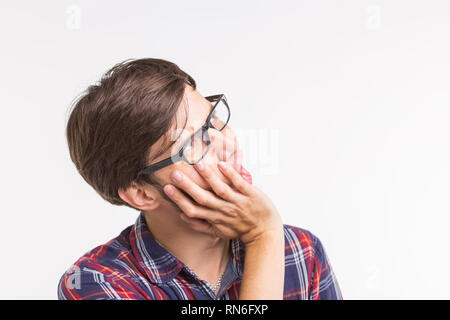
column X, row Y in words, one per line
column 224, row 147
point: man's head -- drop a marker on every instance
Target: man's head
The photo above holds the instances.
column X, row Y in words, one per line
column 139, row 113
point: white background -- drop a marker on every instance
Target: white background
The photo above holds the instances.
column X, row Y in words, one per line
column 355, row 95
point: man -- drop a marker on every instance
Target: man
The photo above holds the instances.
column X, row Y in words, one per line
column 204, row 231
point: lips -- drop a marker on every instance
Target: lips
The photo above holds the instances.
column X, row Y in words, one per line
column 246, row 175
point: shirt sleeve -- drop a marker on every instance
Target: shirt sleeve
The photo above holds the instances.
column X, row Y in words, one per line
column 90, row 284
column 324, row 285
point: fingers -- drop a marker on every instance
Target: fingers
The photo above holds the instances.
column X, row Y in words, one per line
column 236, row 179
column 198, row 225
column 200, row 195
column 219, row 187
column 189, row 209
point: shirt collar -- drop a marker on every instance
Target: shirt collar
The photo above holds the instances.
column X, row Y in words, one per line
column 161, row 265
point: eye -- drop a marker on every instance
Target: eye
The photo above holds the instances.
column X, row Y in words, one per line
column 196, row 140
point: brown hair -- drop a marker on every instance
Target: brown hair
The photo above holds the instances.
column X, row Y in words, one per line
column 114, row 123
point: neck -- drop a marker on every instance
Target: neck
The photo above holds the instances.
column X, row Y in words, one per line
column 207, row 256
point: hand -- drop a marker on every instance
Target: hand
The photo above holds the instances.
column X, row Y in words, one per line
column 238, row 211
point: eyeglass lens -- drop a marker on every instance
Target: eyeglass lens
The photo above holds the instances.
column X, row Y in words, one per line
column 198, row 146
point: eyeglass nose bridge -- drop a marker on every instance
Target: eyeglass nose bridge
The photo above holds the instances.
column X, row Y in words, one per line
column 206, row 126
column 205, row 130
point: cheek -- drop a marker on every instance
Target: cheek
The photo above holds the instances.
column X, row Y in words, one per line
column 164, row 174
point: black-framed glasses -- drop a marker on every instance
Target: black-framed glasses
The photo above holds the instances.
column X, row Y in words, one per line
column 197, row 145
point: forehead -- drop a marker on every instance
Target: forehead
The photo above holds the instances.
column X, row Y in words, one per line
column 193, row 110
column 195, row 101
column 191, row 114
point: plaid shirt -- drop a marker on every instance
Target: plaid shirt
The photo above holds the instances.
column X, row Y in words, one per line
column 135, row 266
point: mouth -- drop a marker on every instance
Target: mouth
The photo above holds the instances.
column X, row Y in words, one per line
column 246, row 175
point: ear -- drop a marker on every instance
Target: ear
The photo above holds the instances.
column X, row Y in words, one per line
column 141, row 197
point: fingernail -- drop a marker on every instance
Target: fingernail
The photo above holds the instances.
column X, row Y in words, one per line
column 200, row 166
column 177, row 176
column 169, row 190
column 223, row 165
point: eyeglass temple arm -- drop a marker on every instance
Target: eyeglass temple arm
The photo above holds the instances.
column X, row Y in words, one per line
column 161, row 164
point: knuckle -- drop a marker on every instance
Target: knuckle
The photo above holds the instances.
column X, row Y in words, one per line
column 221, row 192
column 207, row 176
column 240, row 185
column 190, row 211
column 230, row 211
column 206, row 172
column 204, row 201
column 217, row 220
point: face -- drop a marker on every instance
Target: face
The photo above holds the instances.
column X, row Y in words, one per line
column 194, row 111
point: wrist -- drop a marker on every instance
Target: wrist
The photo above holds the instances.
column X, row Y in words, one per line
column 269, row 236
